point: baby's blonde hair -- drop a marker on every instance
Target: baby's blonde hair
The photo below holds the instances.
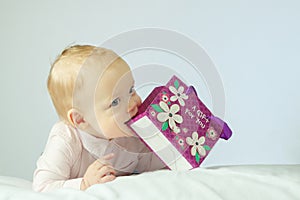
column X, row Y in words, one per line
column 64, row 74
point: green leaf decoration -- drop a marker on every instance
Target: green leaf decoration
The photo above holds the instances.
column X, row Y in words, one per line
column 164, row 126
column 197, row 156
column 206, row 147
column 176, row 84
column 157, row 108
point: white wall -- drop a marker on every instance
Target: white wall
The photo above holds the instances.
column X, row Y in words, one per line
column 254, row 45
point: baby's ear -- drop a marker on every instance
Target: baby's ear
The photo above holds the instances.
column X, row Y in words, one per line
column 76, row 118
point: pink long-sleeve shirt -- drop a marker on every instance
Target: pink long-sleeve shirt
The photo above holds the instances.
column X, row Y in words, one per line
column 69, row 152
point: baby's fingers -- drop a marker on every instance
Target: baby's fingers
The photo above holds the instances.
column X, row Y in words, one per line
column 106, row 170
column 102, row 161
column 105, row 159
column 108, row 178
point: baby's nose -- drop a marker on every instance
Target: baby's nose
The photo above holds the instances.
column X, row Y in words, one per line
column 134, row 102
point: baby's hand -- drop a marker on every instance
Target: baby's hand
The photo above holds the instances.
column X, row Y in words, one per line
column 99, row 171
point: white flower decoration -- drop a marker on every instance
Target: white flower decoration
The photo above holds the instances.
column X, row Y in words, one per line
column 185, row 130
column 178, row 95
column 181, row 142
column 169, row 114
column 176, row 130
column 212, row 133
column 197, row 144
column 153, row 113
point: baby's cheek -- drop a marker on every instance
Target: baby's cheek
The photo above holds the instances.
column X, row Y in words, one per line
column 112, row 125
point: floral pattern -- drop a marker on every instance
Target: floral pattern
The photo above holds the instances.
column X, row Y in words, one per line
column 180, row 141
column 212, row 134
column 176, row 130
column 198, row 148
column 165, row 98
column 178, row 94
column 153, row 113
column 169, row 114
column 185, row 130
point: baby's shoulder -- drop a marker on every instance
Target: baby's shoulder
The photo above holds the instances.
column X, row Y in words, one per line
column 65, row 132
column 63, row 141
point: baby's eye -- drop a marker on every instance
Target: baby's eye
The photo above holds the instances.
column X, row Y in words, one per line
column 115, row 102
column 131, row 90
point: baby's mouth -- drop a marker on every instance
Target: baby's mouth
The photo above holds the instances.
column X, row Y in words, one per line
column 130, row 118
column 135, row 113
column 127, row 121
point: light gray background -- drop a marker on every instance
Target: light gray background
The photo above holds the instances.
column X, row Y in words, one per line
column 254, row 45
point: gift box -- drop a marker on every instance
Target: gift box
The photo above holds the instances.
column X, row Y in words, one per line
column 175, row 124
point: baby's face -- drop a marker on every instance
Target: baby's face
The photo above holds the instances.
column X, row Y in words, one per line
column 116, row 100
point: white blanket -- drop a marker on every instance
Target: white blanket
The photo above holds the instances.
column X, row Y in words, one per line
column 230, row 182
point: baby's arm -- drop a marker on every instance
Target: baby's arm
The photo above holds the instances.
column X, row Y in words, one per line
column 55, row 164
column 60, row 162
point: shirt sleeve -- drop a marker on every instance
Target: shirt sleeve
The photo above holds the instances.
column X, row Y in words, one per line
column 55, row 164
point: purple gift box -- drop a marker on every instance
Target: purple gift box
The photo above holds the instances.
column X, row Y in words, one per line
column 177, row 126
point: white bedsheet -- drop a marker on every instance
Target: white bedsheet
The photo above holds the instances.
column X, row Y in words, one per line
column 228, row 182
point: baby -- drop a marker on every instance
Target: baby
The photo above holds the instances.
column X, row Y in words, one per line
column 92, row 90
